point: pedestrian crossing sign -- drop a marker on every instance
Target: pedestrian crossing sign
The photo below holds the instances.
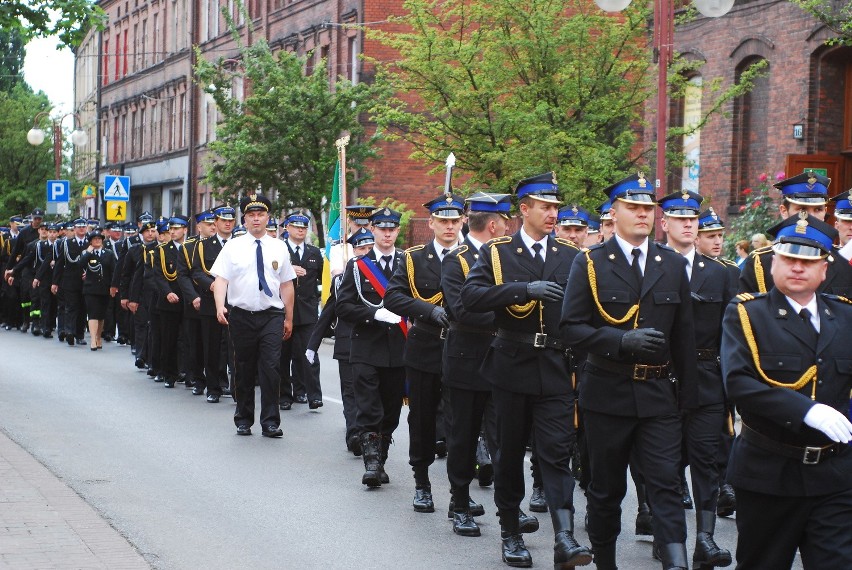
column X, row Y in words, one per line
column 117, row 188
column 116, row 211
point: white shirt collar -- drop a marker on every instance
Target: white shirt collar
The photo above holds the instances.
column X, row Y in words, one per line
column 529, row 241
column 439, row 248
column 377, row 252
column 690, row 260
column 293, row 246
column 477, row 245
column 221, row 237
column 811, row 307
column 627, row 249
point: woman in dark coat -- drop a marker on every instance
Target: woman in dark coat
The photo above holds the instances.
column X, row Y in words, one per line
column 99, row 265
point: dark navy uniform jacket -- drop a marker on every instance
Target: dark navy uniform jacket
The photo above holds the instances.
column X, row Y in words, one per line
column 664, row 304
column 838, row 280
column 375, row 343
column 498, row 283
column 785, row 353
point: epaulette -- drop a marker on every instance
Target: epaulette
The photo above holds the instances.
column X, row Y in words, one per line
column 728, row 262
column 760, row 251
column 742, row 297
column 498, row 240
column 567, row 242
column 667, row 247
column 458, row 250
column 415, row 248
column 711, row 258
column 840, row 298
column 595, row 246
column 191, row 240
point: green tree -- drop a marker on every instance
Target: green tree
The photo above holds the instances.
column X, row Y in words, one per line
column 835, row 14
column 67, row 19
column 517, row 87
column 12, row 62
column 280, row 138
column 24, row 169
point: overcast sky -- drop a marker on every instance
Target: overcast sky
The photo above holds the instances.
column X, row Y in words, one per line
column 50, row 70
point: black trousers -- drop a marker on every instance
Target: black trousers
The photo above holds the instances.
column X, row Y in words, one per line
column 141, row 320
column 468, row 408
column 305, row 377
column 726, row 441
column 111, row 318
column 772, row 528
column 424, row 396
column 550, row 419
column 656, row 441
column 378, row 393
column 192, row 361
column 170, row 323
column 48, row 307
column 702, row 439
column 215, row 373
column 347, row 394
column 256, row 339
column 75, row 313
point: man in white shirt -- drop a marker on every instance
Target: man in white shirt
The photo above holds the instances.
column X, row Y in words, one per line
column 253, row 272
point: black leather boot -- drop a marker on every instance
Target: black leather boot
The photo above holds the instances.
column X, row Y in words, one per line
column 475, row 509
column 464, row 525
column 370, row 449
column 423, row 500
column 567, row 552
column 707, row 553
column 605, row 557
column 515, row 552
column 526, row 523
column 383, row 456
column 686, row 498
column 538, row 502
column 727, row 503
column 673, row 556
column 644, row 526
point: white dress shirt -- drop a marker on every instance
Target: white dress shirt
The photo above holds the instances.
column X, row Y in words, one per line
column 529, row 241
column 237, row 264
column 811, row 306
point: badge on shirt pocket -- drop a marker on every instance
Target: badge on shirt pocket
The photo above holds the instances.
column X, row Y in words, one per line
column 274, row 266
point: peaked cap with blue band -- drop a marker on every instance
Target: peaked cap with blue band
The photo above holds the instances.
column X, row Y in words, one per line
column 684, row 204
column 594, row 224
column 490, row 202
column 446, row 207
column 225, row 213
column 803, row 237
column 297, row 220
column 805, row 189
column 272, row 224
column 604, row 211
column 573, row 216
column 709, row 221
column 178, row 221
column 842, row 206
column 385, row 218
column 361, row 237
column 205, row 216
column 635, row 189
column 540, row 187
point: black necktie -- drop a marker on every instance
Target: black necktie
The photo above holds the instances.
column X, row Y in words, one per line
column 635, row 267
column 260, row 274
column 806, row 317
column 444, row 252
column 298, row 254
column 224, row 241
column 387, row 270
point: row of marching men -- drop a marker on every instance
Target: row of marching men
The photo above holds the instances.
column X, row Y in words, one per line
column 620, row 341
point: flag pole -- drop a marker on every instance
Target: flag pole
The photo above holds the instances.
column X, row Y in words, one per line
column 344, row 217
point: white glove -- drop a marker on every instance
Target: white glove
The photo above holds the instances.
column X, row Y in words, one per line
column 387, row 317
column 830, row 422
column 310, row 355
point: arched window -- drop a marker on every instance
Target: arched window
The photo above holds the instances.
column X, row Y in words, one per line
column 749, row 145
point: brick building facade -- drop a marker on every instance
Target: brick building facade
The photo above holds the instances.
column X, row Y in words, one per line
column 801, row 106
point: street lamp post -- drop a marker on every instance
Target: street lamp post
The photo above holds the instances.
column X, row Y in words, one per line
column 35, row 136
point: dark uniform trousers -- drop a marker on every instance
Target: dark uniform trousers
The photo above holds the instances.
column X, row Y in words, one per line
column 531, row 387
column 467, row 392
column 170, row 314
column 622, row 414
column 423, row 351
column 785, row 503
column 375, row 354
column 256, row 338
column 69, row 276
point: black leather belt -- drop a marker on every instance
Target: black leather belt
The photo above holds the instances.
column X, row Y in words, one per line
column 807, row 455
column 707, row 354
column 268, row 311
column 431, row 329
column 464, row 328
column 537, row 340
column 638, row 372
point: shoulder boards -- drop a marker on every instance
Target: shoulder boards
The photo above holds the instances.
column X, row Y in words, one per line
column 742, row 297
column 458, row 251
column 711, row 258
column 760, row 250
column 567, row 242
column 192, row 239
column 840, row 298
column 728, row 262
column 667, row 247
column 498, row 241
column 415, row 248
column 594, row 247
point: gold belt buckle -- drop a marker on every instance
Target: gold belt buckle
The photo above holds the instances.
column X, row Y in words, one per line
column 640, row 377
column 540, row 340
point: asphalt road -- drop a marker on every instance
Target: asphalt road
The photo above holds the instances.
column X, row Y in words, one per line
column 168, row 471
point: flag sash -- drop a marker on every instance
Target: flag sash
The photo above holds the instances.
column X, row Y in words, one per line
column 377, row 279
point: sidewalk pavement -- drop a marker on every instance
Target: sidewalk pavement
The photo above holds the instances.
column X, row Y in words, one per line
column 45, row 525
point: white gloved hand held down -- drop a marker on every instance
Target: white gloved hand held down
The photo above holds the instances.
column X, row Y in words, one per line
column 387, row 317
column 830, row 422
column 310, row 355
